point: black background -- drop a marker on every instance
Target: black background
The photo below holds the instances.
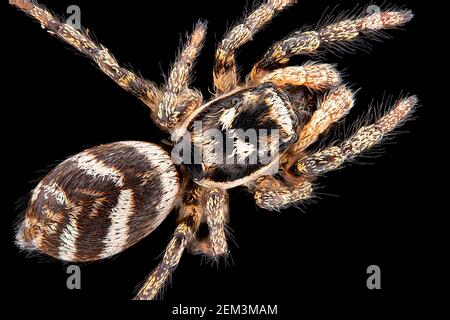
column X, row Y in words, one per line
column 379, row 213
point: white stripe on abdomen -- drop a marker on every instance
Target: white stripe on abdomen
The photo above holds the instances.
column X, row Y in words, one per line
column 118, row 232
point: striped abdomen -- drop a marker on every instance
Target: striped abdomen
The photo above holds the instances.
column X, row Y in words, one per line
column 100, row 201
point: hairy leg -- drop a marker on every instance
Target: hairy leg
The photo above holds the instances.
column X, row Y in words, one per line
column 143, row 89
column 299, row 42
column 190, row 216
column 177, row 98
column 333, row 157
column 215, row 207
column 273, row 194
column 336, row 104
column 225, row 71
column 311, row 75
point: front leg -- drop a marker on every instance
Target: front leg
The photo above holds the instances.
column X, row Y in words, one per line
column 178, row 99
column 273, row 194
column 333, row 157
column 336, row 104
column 311, row 75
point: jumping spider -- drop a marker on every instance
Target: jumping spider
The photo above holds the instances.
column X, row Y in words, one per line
column 105, row 199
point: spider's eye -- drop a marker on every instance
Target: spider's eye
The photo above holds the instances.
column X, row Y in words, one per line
column 235, row 101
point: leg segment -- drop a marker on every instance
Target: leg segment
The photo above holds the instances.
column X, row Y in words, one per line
column 314, row 76
column 309, row 42
column 335, row 105
column 177, row 99
column 273, row 194
column 215, row 209
column 190, row 215
column 225, row 73
column 333, row 157
column 216, row 212
column 143, row 89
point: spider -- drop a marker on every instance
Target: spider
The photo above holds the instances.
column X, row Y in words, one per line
column 105, row 199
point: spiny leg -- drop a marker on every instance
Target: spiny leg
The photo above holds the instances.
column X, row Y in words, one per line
column 273, row 194
column 311, row 75
column 143, row 89
column 215, row 208
column 333, row 157
column 225, row 71
column 299, row 42
column 189, row 220
column 336, row 104
column 177, row 99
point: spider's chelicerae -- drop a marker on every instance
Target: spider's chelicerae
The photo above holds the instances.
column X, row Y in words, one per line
column 105, row 199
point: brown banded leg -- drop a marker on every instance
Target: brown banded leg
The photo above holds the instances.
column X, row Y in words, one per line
column 225, row 71
column 273, row 194
column 177, row 99
column 314, row 76
column 190, row 215
column 215, row 208
column 333, row 157
column 336, row 104
column 339, row 33
column 143, row 89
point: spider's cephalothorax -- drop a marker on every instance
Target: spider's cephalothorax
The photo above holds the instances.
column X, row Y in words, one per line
column 239, row 135
column 253, row 133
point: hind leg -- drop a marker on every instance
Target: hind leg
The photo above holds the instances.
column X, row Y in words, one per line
column 190, row 217
column 145, row 90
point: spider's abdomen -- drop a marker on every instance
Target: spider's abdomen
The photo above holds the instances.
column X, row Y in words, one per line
column 237, row 137
column 100, row 201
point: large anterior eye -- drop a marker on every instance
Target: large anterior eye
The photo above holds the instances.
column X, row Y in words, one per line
column 235, row 101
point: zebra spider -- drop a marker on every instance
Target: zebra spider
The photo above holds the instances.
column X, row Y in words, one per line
column 105, row 199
